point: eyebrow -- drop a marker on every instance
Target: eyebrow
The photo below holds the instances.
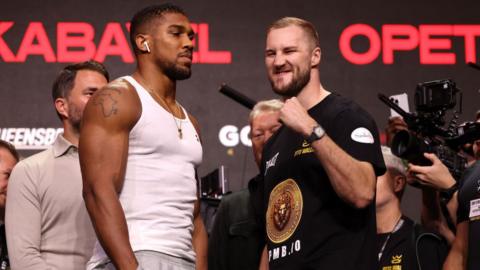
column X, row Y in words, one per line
column 90, row 89
column 181, row 28
column 282, row 49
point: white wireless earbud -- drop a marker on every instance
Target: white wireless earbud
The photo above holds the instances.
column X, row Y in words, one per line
column 145, row 44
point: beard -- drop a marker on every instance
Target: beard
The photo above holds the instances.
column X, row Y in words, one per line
column 176, row 71
column 75, row 117
column 295, row 86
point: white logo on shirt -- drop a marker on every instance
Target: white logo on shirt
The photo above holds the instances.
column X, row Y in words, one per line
column 362, row 135
column 474, row 208
column 271, row 162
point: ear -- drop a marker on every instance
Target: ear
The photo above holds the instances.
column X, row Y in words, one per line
column 61, row 105
column 316, row 56
column 140, row 40
column 399, row 183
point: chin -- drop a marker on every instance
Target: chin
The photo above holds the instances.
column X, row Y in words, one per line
column 179, row 73
column 281, row 91
column 278, row 88
column 183, row 76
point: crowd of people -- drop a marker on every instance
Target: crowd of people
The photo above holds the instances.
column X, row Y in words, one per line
column 118, row 189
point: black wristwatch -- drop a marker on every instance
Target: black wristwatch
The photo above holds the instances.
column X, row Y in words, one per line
column 317, row 133
column 447, row 194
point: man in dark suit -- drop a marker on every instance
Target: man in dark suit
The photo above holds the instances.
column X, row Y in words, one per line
column 236, row 241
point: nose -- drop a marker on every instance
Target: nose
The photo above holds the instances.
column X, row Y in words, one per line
column 188, row 43
column 279, row 60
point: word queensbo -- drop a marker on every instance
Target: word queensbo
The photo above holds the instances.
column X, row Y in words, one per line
column 75, row 43
column 434, row 42
column 30, row 138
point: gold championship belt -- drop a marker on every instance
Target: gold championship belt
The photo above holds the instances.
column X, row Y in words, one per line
column 284, row 211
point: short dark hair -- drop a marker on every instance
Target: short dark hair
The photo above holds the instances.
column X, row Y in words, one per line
column 65, row 79
column 10, row 148
column 305, row 25
column 145, row 16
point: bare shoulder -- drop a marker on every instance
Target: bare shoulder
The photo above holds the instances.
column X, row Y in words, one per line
column 116, row 103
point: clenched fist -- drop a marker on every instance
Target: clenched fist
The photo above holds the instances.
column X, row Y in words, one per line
column 296, row 117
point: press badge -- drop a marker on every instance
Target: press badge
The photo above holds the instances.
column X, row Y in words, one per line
column 474, row 209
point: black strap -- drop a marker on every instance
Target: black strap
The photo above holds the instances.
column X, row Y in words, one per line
column 446, row 195
column 417, row 234
column 413, row 243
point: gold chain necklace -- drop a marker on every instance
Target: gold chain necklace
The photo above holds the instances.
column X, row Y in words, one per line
column 178, row 125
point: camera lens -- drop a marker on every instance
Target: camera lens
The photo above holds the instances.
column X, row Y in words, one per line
column 407, row 146
column 400, row 143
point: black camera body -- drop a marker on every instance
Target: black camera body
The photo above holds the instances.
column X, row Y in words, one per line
column 435, row 96
column 427, row 132
column 409, row 146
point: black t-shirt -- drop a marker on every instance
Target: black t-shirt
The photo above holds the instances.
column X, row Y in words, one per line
column 307, row 225
column 400, row 251
column 469, row 211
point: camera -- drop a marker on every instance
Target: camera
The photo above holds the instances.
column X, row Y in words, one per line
column 428, row 131
column 435, row 96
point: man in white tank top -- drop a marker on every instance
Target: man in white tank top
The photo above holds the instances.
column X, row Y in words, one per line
column 139, row 152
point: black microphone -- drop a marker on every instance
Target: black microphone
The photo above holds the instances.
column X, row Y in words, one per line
column 237, row 96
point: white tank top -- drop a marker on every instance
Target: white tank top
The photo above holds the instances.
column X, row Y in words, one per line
column 160, row 189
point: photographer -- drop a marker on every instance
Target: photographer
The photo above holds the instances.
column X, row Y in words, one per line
column 402, row 244
column 431, row 213
column 464, row 251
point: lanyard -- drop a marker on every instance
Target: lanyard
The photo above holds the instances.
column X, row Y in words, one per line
column 398, row 225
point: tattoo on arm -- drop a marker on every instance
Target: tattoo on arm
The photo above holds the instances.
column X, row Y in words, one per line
column 107, row 100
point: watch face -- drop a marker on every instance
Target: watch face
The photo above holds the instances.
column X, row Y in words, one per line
column 319, row 131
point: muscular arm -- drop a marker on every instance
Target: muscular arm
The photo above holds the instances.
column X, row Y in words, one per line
column 23, row 222
column 353, row 180
column 457, row 257
column 103, row 149
column 199, row 237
